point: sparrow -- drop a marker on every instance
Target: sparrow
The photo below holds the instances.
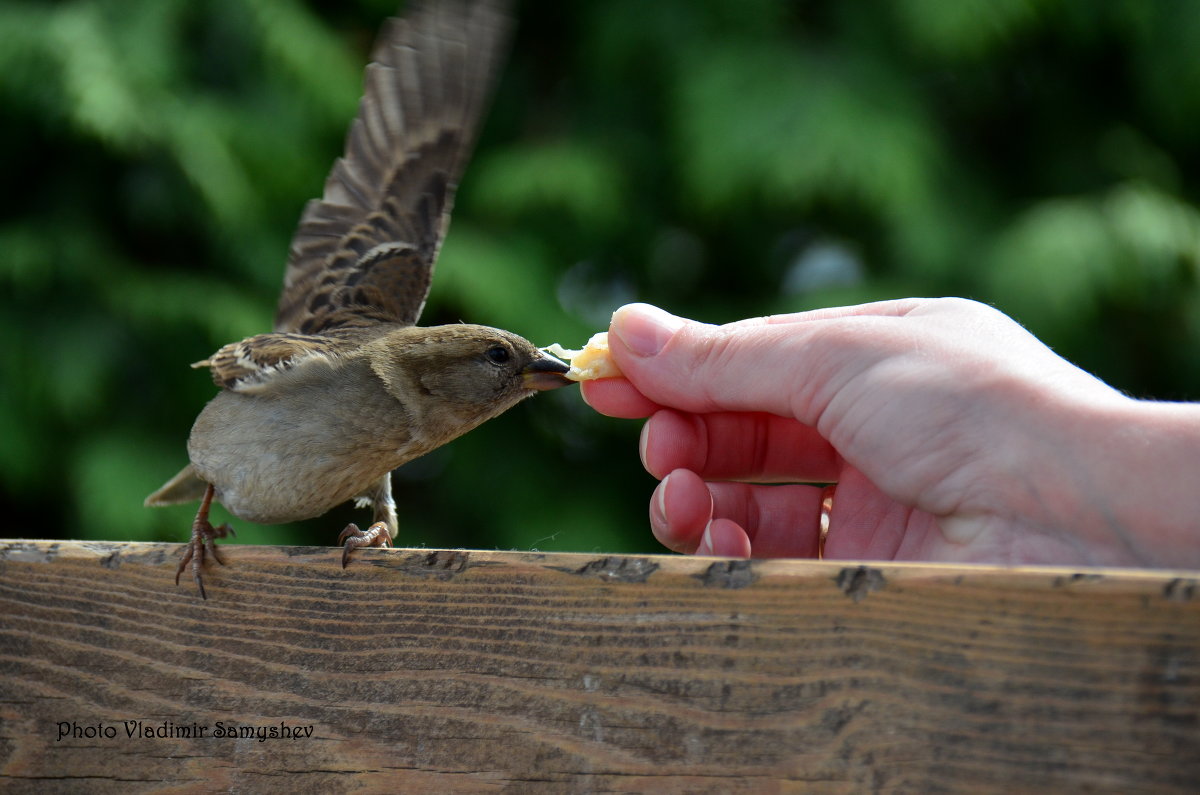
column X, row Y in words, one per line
column 347, row 387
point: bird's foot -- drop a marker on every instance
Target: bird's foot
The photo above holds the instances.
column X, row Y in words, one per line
column 202, row 543
column 376, row 535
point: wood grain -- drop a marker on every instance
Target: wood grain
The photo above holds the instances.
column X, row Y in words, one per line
column 443, row 671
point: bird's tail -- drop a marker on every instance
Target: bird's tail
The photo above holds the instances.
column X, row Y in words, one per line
column 184, row 487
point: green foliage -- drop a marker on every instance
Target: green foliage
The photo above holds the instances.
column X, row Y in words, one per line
column 722, row 158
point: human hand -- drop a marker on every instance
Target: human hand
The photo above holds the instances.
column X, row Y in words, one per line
column 951, row 432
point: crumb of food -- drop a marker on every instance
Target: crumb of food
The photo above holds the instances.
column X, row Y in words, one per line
column 591, row 362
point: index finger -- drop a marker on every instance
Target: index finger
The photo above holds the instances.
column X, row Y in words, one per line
column 755, row 447
column 617, row 397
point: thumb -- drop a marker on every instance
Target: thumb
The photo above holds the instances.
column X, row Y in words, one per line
column 790, row 365
column 701, row 368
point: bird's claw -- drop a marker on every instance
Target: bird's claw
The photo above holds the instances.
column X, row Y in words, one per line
column 376, row 535
column 203, row 537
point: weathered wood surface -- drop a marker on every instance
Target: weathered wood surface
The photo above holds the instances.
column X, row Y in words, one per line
column 496, row 671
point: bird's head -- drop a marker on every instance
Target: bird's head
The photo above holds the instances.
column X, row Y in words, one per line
column 472, row 372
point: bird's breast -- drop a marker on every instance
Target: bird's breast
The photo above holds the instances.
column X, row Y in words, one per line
column 296, row 453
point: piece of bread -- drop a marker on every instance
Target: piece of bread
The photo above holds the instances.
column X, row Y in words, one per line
column 591, row 362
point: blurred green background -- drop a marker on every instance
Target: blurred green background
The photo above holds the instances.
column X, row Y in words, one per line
column 722, row 159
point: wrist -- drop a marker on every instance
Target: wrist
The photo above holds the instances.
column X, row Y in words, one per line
column 1122, row 489
column 1153, row 476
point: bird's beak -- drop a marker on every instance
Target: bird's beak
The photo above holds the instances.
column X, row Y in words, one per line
column 545, row 373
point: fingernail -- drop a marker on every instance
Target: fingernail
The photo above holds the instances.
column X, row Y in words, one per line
column 644, row 444
column 660, row 502
column 644, row 329
column 706, row 544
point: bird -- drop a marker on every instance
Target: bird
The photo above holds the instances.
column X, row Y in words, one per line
column 347, row 387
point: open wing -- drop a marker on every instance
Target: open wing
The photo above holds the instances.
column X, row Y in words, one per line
column 364, row 253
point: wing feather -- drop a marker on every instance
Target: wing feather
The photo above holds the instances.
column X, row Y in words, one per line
column 251, row 364
column 364, row 252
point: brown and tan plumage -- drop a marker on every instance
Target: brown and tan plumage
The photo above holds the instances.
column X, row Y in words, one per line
column 347, row 387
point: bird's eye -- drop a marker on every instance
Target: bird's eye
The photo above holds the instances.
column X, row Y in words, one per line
column 498, row 354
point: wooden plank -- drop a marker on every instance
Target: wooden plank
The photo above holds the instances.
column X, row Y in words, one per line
column 439, row 671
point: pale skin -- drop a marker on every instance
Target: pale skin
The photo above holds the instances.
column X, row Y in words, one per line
column 951, row 432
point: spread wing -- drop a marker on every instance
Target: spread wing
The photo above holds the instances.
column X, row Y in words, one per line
column 364, row 253
column 253, row 363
